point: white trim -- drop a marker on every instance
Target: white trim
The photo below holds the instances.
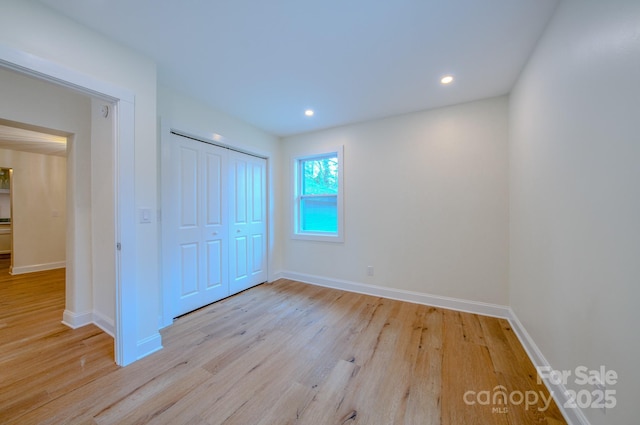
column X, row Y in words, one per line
column 38, row 267
column 126, row 318
column 467, row 306
column 149, row 345
column 76, row 320
column 166, row 239
column 572, row 416
column 43, row 69
column 275, row 276
column 216, row 140
column 105, row 323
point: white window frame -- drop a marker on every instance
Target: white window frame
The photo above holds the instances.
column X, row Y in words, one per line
column 297, row 232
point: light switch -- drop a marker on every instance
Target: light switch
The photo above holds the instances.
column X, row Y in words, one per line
column 145, row 215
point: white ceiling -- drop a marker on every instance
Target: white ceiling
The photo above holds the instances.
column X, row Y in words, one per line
column 24, row 140
column 265, row 62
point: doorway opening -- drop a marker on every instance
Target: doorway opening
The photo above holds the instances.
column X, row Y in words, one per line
column 33, row 226
column 79, row 309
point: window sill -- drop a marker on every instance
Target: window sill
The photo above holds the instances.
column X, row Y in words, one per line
column 318, row 237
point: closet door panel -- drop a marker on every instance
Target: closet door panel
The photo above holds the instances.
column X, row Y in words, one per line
column 248, row 262
column 198, row 225
column 215, row 232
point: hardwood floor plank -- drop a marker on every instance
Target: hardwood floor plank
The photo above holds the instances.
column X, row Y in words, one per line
column 333, row 341
column 290, row 405
column 372, row 351
column 465, row 367
column 154, row 398
column 423, row 402
column 40, row 358
column 516, row 374
column 385, row 376
column 326, row 406
column 211, row 394
column 280, row 353
column 280, row 366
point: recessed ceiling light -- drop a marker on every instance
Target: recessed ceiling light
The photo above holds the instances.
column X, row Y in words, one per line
column 309, row 112
column 447, row 79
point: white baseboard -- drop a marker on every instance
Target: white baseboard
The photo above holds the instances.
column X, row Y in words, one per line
column 76, row 320
column 484, row 309
column 149, row 345
column 275, row 276
column 558, row 391
column 144, row 347
column 104, row 323
column 38, row 267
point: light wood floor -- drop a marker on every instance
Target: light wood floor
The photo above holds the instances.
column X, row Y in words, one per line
column 281, row 353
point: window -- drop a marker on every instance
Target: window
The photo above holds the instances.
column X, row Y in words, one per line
column 318, row 196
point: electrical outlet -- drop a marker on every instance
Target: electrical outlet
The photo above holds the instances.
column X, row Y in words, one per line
column 369, row 270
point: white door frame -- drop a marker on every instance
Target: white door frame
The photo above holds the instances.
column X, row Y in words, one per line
column 124, row 118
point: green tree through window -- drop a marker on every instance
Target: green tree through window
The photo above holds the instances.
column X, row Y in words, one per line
column 320, row 176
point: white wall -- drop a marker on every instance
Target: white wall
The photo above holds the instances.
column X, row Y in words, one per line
column 39, row 191
column 575, row 197
column 29, row 27
column 35, row 102
column 192, row 116
column 425, row 203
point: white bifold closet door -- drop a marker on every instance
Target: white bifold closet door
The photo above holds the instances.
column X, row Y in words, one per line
column 219, row 223
column 248, row 218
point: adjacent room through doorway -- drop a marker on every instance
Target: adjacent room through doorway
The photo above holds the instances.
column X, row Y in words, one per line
column 59, row 145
